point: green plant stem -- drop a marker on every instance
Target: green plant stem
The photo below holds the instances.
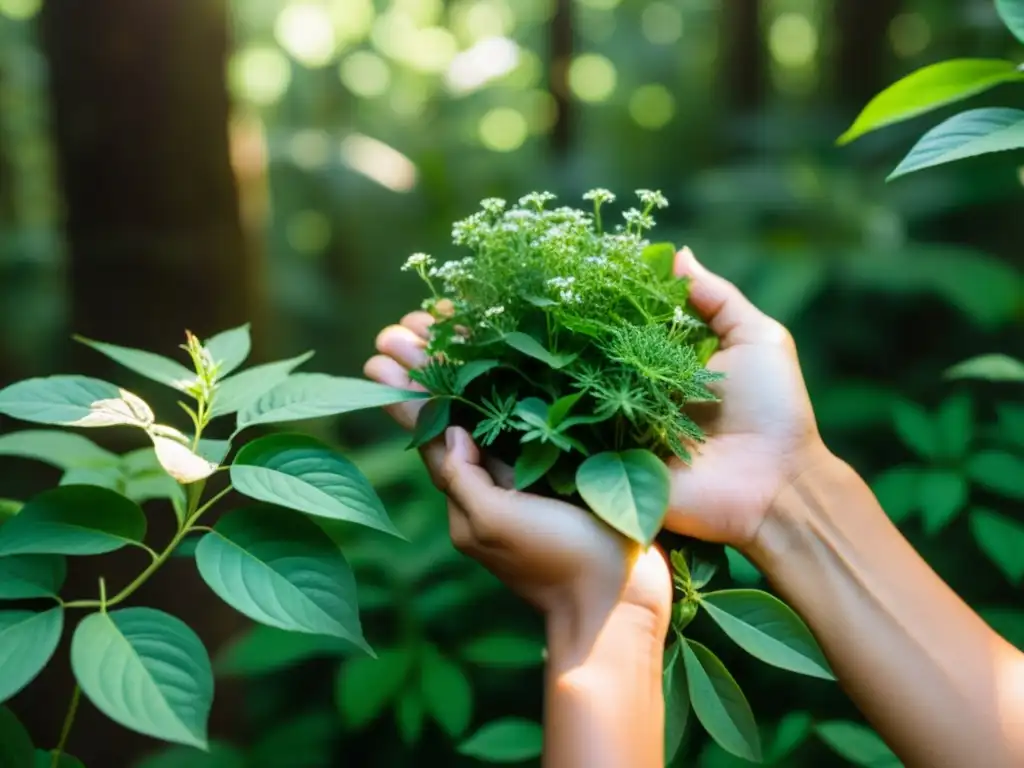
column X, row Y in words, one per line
column 65, row 731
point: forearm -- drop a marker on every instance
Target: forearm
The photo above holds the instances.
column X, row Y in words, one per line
column 938, row 684
column 603, row 700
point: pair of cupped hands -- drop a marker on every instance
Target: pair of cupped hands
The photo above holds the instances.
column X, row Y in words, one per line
column 761, row 436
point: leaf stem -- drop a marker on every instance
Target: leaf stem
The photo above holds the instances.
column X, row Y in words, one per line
column 65, row 731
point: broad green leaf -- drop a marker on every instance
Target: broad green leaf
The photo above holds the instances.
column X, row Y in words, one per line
column 432, row 421
column 220, row 755
column 16, row 748
column 509, row 740
column 152, row 485
column 661, row 258
column 364, row 687
column 916, row 429
column 1010, row 423
column 897, row 491
column 999, row 472
column 245, row 387
column 627, row 490
column 856, row 743
column 9, row 508
column 28, row 576
column 534, row 461
column 677, row 700
column 1012, row 14
column 447, row 693
column 969, row 134
column 942, row 493
column 229, row 349
column 740, row 568
column 64, row 450
column 719, row 703
column 530, row 347
column 261, row 650
column 561, row 407
column 472, row 371
column 1001, row 538
column 504, row 650
column 147, row 671
column 44, row 759
column 1008, row 622
column 767, row 629
column 928, row 89
column 73, row 520
column 73, row 401
column 792, row 730
column 313, row 395
column 110, row 478
column 27, row 642
column 988, row 368
column 282, row 570
column 409, row 716
column 955, row 425
column 153, row 366
column 302, row 473
column 305, row 741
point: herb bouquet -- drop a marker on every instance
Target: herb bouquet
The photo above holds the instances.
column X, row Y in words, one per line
column 570, row 353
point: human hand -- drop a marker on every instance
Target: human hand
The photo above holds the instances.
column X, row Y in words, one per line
column 761, row 436
column 557, row 556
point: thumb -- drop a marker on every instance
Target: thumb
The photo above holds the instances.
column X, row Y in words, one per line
column 723, row 306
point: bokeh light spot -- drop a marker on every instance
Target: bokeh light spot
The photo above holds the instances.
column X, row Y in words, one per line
column 793, row 40
column 353, row 19
column 306, row 31
column 541, row 111
column 309, row 149
column 259, row 75
column 662, row 23
column 909, row 34
column 601, row 5
column 20, row 10
column 503, row 129
column 592, row 77
column 652, row 106
column 365, row 74
column 308, row 232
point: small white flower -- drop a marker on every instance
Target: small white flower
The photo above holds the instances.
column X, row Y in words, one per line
column 569, row 297
column 493, row 311
column 493, row 204
column 561, row 282
column 652, row 197
column 633, row 216
column 599, row 196
column 537, row 199
column 417, row 261
column 678, row 316
column 517, row 214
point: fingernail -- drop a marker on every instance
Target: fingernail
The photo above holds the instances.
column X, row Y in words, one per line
column 450, row 438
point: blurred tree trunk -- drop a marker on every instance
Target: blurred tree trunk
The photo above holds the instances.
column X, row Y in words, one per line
column 561, row 49
column 863, row 61
column 742, row 54
column 155, row 246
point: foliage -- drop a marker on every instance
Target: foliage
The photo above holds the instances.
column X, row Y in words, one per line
column 968, row 134
column 278, row 562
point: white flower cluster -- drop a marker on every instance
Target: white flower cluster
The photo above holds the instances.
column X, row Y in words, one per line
column 493, row 205
column 493, row 311
column 679, row 317
column 652, row 198
column 561, row 282
column 417, row 261
column 599, row 196
column 536, row 199
column 641, row 220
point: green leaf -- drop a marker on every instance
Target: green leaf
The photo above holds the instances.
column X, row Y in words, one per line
column 73, row 520
column 364, row 687
column 955, row 424
column 942, row 493
column 44, row 759
column 447, row 693
column 627, row 490
column 304, row 741
column 27, row 642
column 229, row 349
column 1012, row 14
column 9, row 508
column 313, row 395
column 238, row 391
column 661, row 258
column 969, row 134
column 530, row 347
column 928, row 89
column 719, row 703
column 677, row 700
column 740, row 568
column 561, row 407
column 72, row 401
column 1008, row 622
column 282, row 570
column 472, row 371
column 261, row 650
column 29, row 576
column 792, row 730
column 860, row 745
column 1001, row 538
column 504, row 650
column 302, row 473
column 915, row 428
column 409, row 716
column 221, row 755
column 147, row 671
column 509, row 740
column 988, row 368
column 107, row 477
column 15, row 744
column 534, row 462
column 432, row 421
column 702, row 567
column 64, row 450
column 897, row 491
column 767, row 629
column 999, row 472
column 153, row 366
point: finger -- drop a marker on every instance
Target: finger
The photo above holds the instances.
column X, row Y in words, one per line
column 419, row 323
column 403, row 345
column 385, row 370
column 723, row 306
column 458, row 528
column 433, row 454
column 504, row 476
column 470, row 485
